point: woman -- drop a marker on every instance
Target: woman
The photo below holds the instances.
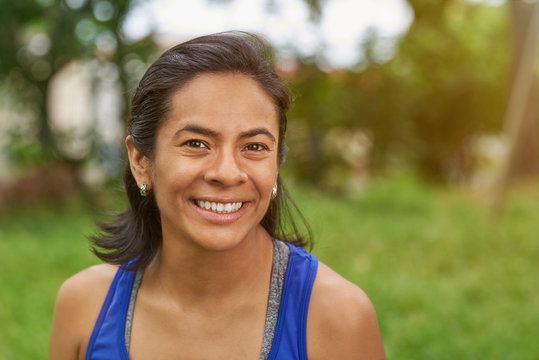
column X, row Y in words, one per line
column 202, row 274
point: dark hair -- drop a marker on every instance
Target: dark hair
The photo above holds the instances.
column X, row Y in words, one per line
column 136, row 233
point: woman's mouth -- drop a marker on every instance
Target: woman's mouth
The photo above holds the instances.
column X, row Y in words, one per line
column 218, row 207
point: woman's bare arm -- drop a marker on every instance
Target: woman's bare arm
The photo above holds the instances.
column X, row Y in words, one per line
column 77, row 307
column 341, row 321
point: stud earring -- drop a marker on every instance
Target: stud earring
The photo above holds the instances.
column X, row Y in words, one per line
column 143, row 190
column 274, row 193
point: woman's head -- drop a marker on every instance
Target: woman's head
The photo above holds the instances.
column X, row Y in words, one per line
column 230, row 52
column 138, row 231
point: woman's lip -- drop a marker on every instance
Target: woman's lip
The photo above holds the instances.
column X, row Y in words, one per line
column 221, row 218
column 220, row 200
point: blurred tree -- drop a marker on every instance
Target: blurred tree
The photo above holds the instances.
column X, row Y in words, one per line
column 444, row 87
column 525, row 157
column 39, row 37
column 320, row 107
column 521, row 115
column 451, row 67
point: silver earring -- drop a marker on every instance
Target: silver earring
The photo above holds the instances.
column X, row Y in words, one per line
column 143, row 190
column 274, row 193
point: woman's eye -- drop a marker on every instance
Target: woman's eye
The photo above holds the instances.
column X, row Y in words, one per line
column 255, row 147
column 195, row 144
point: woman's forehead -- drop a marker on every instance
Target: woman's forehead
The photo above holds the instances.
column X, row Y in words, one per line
column 223, row 100
column 207, row 86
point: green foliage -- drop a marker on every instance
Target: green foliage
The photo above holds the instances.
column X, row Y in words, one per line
column 456, row 61
column 39, row 249
column 26, row 153
column 446, row 283
column 40, row 37
column 445, row 86
column 425, row 107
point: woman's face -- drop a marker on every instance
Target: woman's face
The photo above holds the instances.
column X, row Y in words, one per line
column 215, row 161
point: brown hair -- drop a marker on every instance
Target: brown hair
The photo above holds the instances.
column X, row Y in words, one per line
column 136, row 233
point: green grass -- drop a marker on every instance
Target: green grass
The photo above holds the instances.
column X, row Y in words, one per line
column 39, row 249
column 446, row 282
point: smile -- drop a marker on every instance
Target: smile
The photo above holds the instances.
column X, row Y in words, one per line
column 221, row 208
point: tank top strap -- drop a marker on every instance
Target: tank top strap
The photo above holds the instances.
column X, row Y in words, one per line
column 289, row 341
column 107, row 339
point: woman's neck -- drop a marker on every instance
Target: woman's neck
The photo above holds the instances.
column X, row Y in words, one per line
column 189, row 274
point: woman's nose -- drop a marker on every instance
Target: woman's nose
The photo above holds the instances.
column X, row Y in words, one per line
column 225, row 169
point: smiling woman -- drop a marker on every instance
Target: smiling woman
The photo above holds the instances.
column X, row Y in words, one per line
column 217, row 146
column 201, row 265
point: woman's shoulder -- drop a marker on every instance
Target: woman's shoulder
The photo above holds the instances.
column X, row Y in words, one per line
column 341, row 320
column 93, row 274
column 77, row 307
column 86, row 287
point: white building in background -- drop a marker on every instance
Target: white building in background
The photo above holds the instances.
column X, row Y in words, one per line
column 71, row 111
column 85, row 106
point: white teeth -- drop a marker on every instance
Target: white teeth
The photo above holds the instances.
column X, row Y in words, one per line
column 222, row 208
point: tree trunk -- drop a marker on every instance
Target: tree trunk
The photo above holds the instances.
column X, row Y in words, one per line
column 525, row 160
column 521, row 114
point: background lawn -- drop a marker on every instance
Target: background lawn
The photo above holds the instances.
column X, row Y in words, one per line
column 446, row 282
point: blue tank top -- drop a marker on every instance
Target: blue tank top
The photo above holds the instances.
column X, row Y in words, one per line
column 289, row 341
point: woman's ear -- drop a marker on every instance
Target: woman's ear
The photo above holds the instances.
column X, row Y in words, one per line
column 140, row 165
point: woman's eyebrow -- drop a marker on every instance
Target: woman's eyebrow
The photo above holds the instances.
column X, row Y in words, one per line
column 198, row 130
column 208, row 132
column 255, row 132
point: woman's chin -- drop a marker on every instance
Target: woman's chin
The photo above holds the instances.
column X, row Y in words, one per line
column 222, row 241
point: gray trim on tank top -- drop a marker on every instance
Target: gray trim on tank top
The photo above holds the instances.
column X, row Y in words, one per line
column 281, row 253
column 131, row 307
column 278, row 272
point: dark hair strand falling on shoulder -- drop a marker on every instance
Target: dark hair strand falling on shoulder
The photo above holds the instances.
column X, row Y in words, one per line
column 136, row 232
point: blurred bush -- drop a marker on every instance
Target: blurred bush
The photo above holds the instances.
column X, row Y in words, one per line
column 444, row 88
column 424, row 101
column 40, row 40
